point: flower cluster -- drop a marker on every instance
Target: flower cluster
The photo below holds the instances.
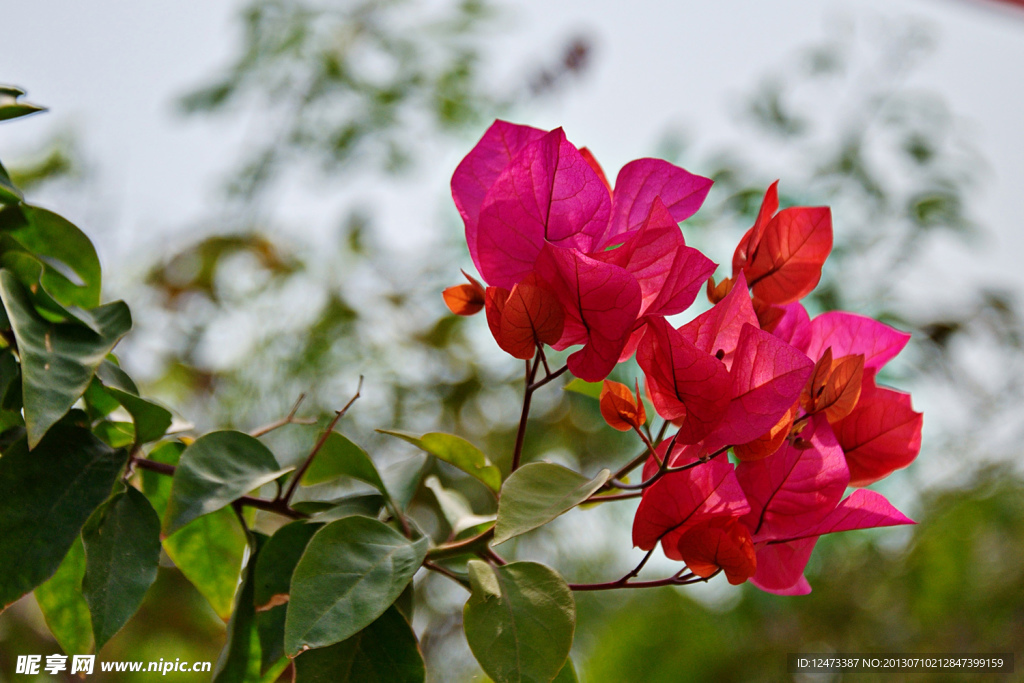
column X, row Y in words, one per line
column 571, row 260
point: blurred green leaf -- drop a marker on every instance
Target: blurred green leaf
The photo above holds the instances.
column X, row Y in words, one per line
column 12, row 107
column 115, row 434
column 57, row 359
column 404, row 477
column 351, row 572
column 60, row 600
column 48, row 494
column 209, row 551
column 456, row 451
column 9, row 194
column 455, row 508
column 519, row 621
column 122, row 546
column 567, row 674
column 215, row 470
column 589, row 389
column 538, row 492
column 383, row 652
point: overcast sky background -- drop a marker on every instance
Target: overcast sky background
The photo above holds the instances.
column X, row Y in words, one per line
column 111, row 71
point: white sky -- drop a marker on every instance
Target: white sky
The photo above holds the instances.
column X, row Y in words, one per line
column 111, row 70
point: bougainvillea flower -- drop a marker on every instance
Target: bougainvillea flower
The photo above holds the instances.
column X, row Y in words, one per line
column 782, row 255
column 781, row 562
column 743, row 255
column 793, row 326
column 601, row 303
column 680, row 500
column 475, row 175
column 527, row 316
column 548, row 194
column 766, row 379
column 640, row 182
column 834, row 387
column 850, row 334
column 534, row 203
column 717, row 330
column 797, row 487
column 670, row 273
column 686, row 383
column 465, row 299
column 721, row 543
column 882, row 434
column 770, row 441
column 878, row 429
column 620, row 409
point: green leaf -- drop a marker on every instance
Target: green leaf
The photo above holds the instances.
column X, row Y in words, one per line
column 274, row 671
column 9, row 193
column 455, row 508
column 340, row 457
column 403, row 478
column 71, row 271
column 113, row 376
column 351, row 572
column 455, row 450
column 239, row 661
column 48, row 494
column 12, row 107
column 277, row 562
column 115, row 434
column 215, row 470
column 383, row 652
column 588, row 389
column 156, row 486
column 270, row 632
column 60, row 600
column 209, row 551
column 519, row 621
column 567, row 674
column 537, row 493
column 58, row 360
column 151, row 420
column 365, row 504
column 122, row 550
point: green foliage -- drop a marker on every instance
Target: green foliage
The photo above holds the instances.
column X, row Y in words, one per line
column 340, row 457
column 351, row 572
column 58, row 360
column 11, row 106
column 209, row 552
column 61, row 602
column 538, row 492
column 214, row 471
column 588, row 389
column 519, row 621
column 271, row 588
column 239, row 661
column 455, row 451
column 383, row 652
column 122, row 550
column 49, row 493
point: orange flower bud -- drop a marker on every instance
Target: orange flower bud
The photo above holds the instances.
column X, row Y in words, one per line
column 465, row 299
column 618, row 407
